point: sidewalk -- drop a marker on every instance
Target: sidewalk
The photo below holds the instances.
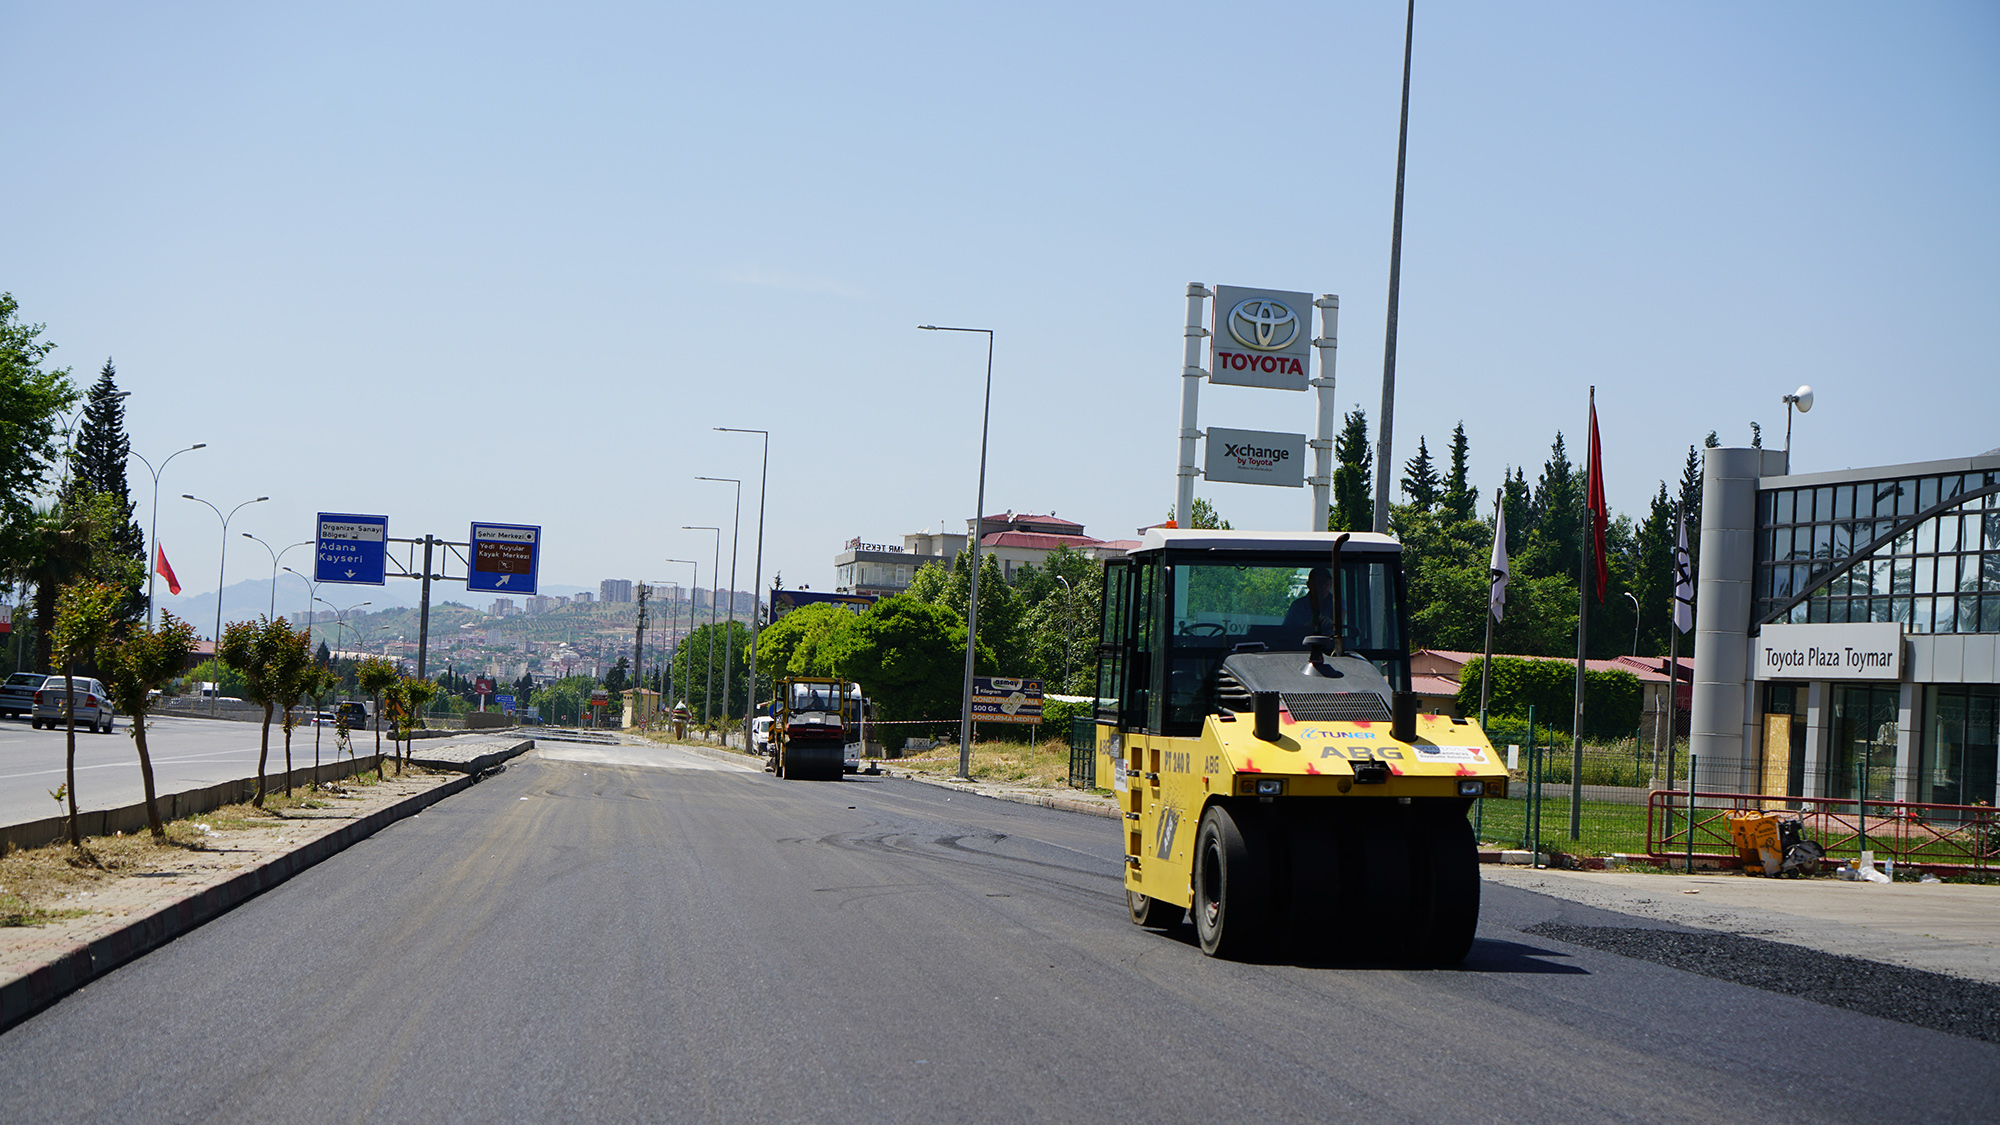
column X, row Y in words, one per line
column 1941, row 927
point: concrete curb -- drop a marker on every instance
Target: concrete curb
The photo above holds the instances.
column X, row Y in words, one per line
column 479, row 764
column 52, row 981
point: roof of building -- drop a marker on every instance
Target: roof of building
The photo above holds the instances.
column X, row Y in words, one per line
column 1038, row 542
column 1647, row 668
column 1012, row 517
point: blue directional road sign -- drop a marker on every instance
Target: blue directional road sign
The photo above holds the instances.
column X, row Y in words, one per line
column 351, row 549
column 506, row 557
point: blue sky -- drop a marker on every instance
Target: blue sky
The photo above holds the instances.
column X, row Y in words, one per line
column 512, row 263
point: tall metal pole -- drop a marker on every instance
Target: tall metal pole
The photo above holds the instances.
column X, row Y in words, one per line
column 708, row 692
column 221, row 565
column 153, row 533
column 729, row 641
column 275, row 557
column 1584, row 584
column 1322, row 443
column 757, row 581
column 424, row 612
column 1388, row 420
column 978, row 526
column 1191, row 375
column 673, row 625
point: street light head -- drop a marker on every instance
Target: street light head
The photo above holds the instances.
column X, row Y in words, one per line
column 187, row 495
column 198, row 445
column 928, row 327
column 260, row 499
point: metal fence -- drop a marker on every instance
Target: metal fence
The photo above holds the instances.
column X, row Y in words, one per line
column 1946, row 839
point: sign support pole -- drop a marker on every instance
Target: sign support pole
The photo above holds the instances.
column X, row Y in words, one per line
column 424, row 613
column 1322, row 443
column 1191, row 375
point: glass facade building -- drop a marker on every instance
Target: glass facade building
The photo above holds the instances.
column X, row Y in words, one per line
column 1941, row 576
column 1923, row 541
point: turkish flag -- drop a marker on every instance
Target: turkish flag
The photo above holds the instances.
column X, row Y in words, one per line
column 161, row 568
column 1595, row 502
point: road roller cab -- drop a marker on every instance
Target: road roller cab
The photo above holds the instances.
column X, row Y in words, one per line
column 1275, row 780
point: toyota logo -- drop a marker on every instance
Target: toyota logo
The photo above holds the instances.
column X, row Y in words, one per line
column 1263, row 324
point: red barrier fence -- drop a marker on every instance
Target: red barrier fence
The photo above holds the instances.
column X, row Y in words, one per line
column 1944, row 839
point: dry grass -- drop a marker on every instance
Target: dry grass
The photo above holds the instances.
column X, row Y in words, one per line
column 40, row 885
column 1044, row 765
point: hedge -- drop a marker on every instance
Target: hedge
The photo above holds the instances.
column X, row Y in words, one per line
column 1611, row 699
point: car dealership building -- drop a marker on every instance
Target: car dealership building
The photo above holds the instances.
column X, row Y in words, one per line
column 1848, row 629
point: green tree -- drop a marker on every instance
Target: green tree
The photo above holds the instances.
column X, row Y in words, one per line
column 1420, row 479
column 1201, row 517
column 290, row 678
column 908, row 656
column 790, row 646
column 691, row 664
column 228, row 681
column 1516, row 498
column 84, row 615
column 318, row 684
column 1353, row 499
column 133, row 666
column 1459, row 496
column 269, row 655
column 374, row 675
column 97, row 468
column 70, row 542
column 929, row 583
column 32, row 402
column 1555, row 517
column 1652, row 575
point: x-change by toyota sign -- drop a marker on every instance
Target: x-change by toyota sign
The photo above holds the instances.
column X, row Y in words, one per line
column 1262, row 338
column 1255, row 457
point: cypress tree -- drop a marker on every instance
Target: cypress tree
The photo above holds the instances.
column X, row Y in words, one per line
column 1353, row 482
column 97, row 468
column 1460, row 501
column 1420, row 479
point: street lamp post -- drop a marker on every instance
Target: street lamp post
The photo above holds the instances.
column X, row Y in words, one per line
column 978, row 525
column 673, row 624
column 729, row 643
column 1069, row 601
column 1635, row 621
column 221, row 565
column 708, row 691
column 312, row 592
column 275, row 556
column 153, row 533
column 340, row 616
column 757, row 581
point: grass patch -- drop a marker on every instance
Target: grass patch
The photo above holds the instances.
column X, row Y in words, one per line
column 40, row 885
column 1039, row 765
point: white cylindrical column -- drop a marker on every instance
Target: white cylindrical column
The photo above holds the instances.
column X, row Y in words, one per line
column 1721, row 712
column 1322, row 442
column 1191, row 376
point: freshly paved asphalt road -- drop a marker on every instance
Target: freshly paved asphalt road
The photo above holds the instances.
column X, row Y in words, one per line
column 187, row 754
column 578, row 939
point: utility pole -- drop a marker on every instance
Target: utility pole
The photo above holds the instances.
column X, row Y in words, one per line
column 639, row 646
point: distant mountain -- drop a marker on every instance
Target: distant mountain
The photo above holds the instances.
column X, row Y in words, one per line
column 251, row 598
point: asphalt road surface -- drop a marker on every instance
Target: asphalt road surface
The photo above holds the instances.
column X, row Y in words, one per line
column 581, row 939
column 187, row 754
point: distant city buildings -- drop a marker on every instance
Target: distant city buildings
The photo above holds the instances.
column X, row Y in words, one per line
column 582, row 598
column 501, row 607
column 542, row 603
column 614, row 590
column 1013, row 539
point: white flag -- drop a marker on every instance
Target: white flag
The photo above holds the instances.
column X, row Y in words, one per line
column 1683, row 581
column 1497, row 569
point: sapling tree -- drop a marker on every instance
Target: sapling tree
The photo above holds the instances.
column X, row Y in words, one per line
column 375, row 675
column 289, row 684
column 85, row 612
column 132, row 666
column 318, row 684
column 267, row 654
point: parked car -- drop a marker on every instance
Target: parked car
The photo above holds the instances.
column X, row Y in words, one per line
column 93, row 706
column 760, row 735
column 17, row 695
column 356, row 714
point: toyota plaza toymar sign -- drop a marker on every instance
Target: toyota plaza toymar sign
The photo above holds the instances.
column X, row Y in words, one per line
column 1261, row 338
column 1832, row 651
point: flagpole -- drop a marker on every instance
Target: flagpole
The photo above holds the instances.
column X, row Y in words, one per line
column 1493, row 576
column 1582, row 632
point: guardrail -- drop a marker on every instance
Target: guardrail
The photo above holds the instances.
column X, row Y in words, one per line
column 1944, row 839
